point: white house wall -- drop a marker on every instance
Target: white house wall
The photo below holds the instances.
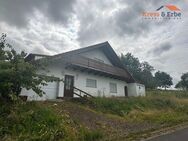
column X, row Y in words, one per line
column 140, row 88
column 51, row 92
column 132, row 89
column 31, row 95
column 136, row 89
column 96, row 53
column 103, row 84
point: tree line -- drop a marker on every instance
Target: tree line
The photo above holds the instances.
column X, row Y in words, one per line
column 143, row 73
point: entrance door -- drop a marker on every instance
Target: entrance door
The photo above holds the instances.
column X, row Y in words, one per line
column 126, row 91
column 68, row 86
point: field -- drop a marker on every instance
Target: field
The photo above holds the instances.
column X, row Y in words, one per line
column 97, row 119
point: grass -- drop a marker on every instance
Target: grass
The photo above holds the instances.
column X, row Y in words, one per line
column 161, row 107
column 33, row 121
column 38, row 121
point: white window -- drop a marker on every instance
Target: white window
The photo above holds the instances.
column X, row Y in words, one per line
column 113, row 88
column 91, row 83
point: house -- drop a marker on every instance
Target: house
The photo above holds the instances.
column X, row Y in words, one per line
column 92, row 71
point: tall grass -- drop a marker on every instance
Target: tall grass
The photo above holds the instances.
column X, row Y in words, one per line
column 121, row 106
column 34, row 122
column 169, row 107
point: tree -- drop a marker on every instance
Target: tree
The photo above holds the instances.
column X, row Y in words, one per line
column 147, row 76
column 183, row 83
column 16, row 73
column 179, row 85
column 132, row 64
column 142, row 72
column 163, row 79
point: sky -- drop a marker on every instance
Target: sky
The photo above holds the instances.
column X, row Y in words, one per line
column 55, row 26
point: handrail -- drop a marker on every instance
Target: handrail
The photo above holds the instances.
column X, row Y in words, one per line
column 78, row 95
column 81, row 91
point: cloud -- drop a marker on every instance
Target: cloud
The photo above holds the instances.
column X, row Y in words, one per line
column 107, row 20
column 55, row 26
column 164, row 47
column 19, row 12
column 129, row 20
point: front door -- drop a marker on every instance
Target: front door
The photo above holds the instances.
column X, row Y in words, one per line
column 68, row 86
column 126, row 91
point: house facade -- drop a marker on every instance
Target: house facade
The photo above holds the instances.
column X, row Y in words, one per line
column 95, row 70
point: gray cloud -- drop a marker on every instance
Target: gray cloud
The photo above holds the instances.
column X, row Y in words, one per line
column 60, row 10
column 161, row 49
column 55, row 26
column 19, row 12
column 114, row 19
column 129, row 21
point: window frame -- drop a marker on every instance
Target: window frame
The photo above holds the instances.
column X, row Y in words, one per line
column 113, row 91
column 89, row 85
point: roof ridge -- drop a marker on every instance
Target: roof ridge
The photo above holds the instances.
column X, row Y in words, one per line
column 82, row 48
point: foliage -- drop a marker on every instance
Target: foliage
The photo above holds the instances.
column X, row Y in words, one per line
column 132, row 64
column 90, row 136
column 124, row 106
column 33, row 122
column 16, row 73
column 183, row 83
column 169, row 107
column 142, row 72
column 146, row 75
column 163, row 79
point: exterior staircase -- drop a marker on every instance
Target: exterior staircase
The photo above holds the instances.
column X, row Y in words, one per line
column 82, row 94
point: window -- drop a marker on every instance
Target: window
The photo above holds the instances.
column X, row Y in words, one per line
column 91, row 83
column 113, row 88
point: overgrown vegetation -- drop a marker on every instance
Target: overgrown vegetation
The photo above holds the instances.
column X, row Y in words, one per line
column 68, row 121
column 33, row 121
column 16, row 73
column 170, row 107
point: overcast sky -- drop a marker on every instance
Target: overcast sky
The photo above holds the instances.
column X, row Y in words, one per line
column 55, row 26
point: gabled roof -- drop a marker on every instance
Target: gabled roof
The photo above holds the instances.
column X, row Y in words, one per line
column 105, row 47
